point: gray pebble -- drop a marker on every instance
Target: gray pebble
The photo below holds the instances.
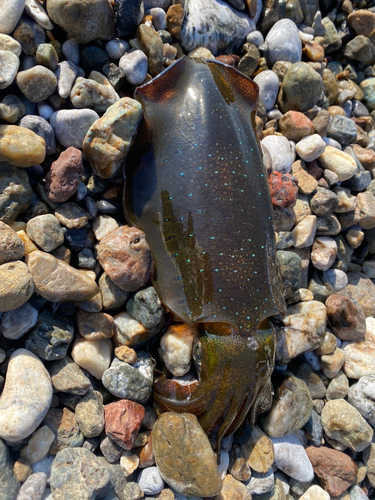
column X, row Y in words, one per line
column 71, row 125
column 284, row 43
column 42, row 128
column 46, row 231
column 150, row 481
column 45, row 110
column 268, row 83
column 145, row 307
column 34, row 487
column 116, row 48
column 256, row 38
column 261, row 483
column 159, row 18
column 66, row 74
column 9, row 484
column 9, row 64
column 292, row 459
column 17, row 322
column 11, row 11
column 44, row 465
column 135, row 66
column 36, row 83
column 70, row 50
column 12, row 109
column 342, row 129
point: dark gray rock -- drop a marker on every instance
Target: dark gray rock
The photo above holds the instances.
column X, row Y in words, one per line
column 126, row 16
column 145, row 307
column 314, row 428
column 117, row 479
column 50, row 338
column 342, row 129
column 9, row 486
column 111, row 450
column 42, row 128
column 291, row 272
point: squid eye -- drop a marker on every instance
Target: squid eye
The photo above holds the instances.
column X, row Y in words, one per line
column 197, row 353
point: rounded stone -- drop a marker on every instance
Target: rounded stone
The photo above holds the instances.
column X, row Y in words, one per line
column 283, row 42
column 45, row 231
column 63, row 179
column 268, row 83
column 346, row 318
column 93, row 355
column 17, row 322
column 291, row 458
column 20, row 146
column 311, row 147
column 11, row 245
column 295, row 125
column 42, row 128
column 9, row 64
column 301, row 88
column 38, row 445
column 16, row 285
column 83, row 20
column 11, row 12
column 280, row 152
column 150, row 481
column 184, row 455
column 343, row 130
column 362, row 396
column 71, row 125
column 36, row 83
column 89, row 414
column 26, row 396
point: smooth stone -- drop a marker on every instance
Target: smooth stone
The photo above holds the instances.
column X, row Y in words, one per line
column 116, row 48
column 38, row 445
column 184, row 455
column 291, row 406
column 93, row 355
column 342, row 129
column 15, row 192
column 337, row 278
column 304, row 232
column 291, row 458
column 268, row 83
column 15, row 323
column 9, row 480
column 134, row 66
column 258, row 451
column 113, row 298
column 323, row 253
column 315, row 492
column 361, row 289
column 132, row 382
column 260, row 484
column 361, row 396
column 311, row 147
column 46, row 55
column 21, row 147
column 26, row 396
column 343, row 423
column 225, row 28
column 71, row 215
column 35, row 10
column 150, row 481
column 34, row 487
column 94, row 92
column 159, row 18
column 84, row 21
column 10, row 15
column 57, row 281
column 42, row 128
column 176, row 347
column 280, row 151
column 291, row 272
column 46, row 231
column 108, row 140
column 346, row 318
column 11, row 245
column 89, row 414
column 338, row 387
column 70, row 49
column 66, row 74
column 324, row 202
column 36, row 83
column 360, row 49
column 12, row 109
column 360, row 356
column 8, row 43
column 77, row 472
column 16, row 285
column 283, row 42
column 71, row 125
column 338, row 162
column 151, row 43
column 368, row 87
column 8, row 69
column 255, row 37
column 301, row 88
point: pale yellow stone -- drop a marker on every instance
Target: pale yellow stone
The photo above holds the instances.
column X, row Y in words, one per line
column 315, row 492
column 128, row 331
column 108, row 139
column 20, row 146
column 26, row 396
column 129, row 462
column 103, row 225
column 38, row 445
column 18, row 225
column 360, row 356
column 176, row 347
column 16, row 285
column 258, row 451
column 339, row 162
column 29, row 244
column 93, row 355
column 304, row 232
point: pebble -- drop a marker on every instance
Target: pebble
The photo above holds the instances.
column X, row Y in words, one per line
column 108, row 140
column 323, row 253
column 150, row 481
column 11, row 13
column 71, row 126
column 71, row 215
column 64, row 176
column 125, row 256
column 343, row 130
column 46, row 231
column 360, row 355
column 20, row 146
column 343, row 423
column 36, row 83
column 258, row 451
column 70, row 49
column 34, row 487
column 184, row 456
column 291, row 406
column 63, row 424
column 260, row 484
column 42, row 128
column 295, row 125
column 129, row 331
column 346, row 318
column 38, row 445
column 280, row 152
column 132, row 382
column 361, row 289
column 338, row 387
column 16, row 285
column 301, row 88
column 57, row 281
column 15, row 323
column 66, row 376
column 89, row 414
column 77, row 472
column 315, row 492
column 26, row 396
column 176, row 349
column 93, row 355
column 123, row 421
column 307, row 184
column 151, row 43
column 226, row 27
column 94, row 92
column 36, row 11
column 145, row 306
column 9, row 67
column 66, row 74
column 112, row 296
column 283, row 189
column 360, row 395
column 116, row 48
column 291, row 458
column 311, row 147
column 304, row 232
column 268, row 88
column 11, row 245
column 134, row 66
column 283, row 42
column 338, row 162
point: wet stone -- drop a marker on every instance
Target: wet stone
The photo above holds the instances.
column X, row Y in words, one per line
column 184, row 456
column 76, row 471
column 132, row 382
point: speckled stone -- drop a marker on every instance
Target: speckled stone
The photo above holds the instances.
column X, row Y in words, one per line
column 16, row 285
column 36, row 83
column 11, row 245
column 65, row 175
column 12, row 109
column 20, row 146
column 184, row 456
column 89, row 414
column 63, row 424
column 45, row 231
column 94, row 92
column 132, row 382
column 151, row 43
column 108, row 140
column 26, row 396
column 361, row 396
column 66, row 376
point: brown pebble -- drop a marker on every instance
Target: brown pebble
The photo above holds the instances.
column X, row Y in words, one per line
column 126, row 354
column 175, row 17
column 65, row 175
column 22, row 469
column 123, row 420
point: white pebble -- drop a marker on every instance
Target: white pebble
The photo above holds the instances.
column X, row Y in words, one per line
column 135, row 66
column 280, row 151
column 284, row 43
column 256, row 38
column 315, row 492
column 103, row 225
column 337, row 278
column 274, row 114
column 291, row 458
column 93, row 355
column 66, row 75
column 159, row 18
column 176, row 349
column 17, row 322
column 305, row 37
column 311, row 147
column 116, row 48
column 268, row 83
column 35, row 10
column 304, row 232
column 323, row 254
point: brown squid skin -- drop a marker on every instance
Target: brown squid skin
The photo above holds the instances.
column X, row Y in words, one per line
column 196, row 185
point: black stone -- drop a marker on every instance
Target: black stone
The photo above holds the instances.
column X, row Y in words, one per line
column 126, row 16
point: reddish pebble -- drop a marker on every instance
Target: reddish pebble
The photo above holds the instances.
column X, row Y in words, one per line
column 65, row 175
column 295, row 125
column 336, row 471
column 122, row 422
column 146, row 454
column 231, row 60
column 125, row 256
column 283, row 189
